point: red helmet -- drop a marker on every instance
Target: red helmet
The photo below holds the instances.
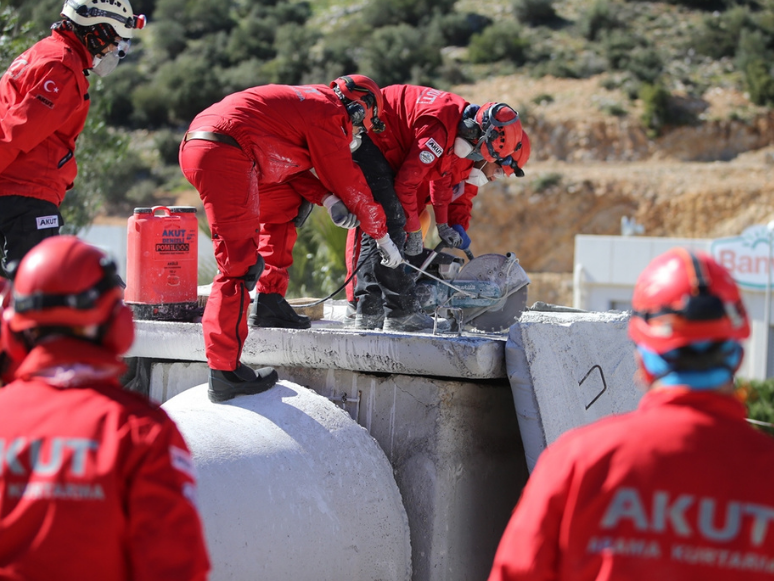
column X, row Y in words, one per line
column 521, row 156
column 514, row 163
column 502, row 132
column 363, row 100
column 684, row 297
column 65, row 282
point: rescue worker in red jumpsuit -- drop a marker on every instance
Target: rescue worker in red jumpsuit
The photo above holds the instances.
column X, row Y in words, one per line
column 428, row 131
column 259, row 137
column 680, row 488
column 95, row 481
column 44, row 101
column 468, row 176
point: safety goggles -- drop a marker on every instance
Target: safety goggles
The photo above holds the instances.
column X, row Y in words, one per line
column 123, row 47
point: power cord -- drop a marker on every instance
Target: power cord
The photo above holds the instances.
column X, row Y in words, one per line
column 341, row 288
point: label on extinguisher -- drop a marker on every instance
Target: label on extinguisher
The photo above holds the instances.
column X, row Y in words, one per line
column 173, row 240
column 177, row 247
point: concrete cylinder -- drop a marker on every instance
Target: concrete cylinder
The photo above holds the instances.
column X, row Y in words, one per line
column 290, row 487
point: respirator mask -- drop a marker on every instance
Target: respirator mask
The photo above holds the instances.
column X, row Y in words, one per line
column 462, row 148
column 477, row 178
column 105, row 65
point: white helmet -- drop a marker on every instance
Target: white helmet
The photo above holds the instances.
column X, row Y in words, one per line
column 116, row 13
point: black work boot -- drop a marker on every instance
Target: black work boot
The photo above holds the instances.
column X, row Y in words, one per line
column 225, row 385
column 369, row 322
column 272, row 310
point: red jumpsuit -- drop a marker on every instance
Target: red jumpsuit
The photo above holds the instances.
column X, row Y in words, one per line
column 460, row 203
column 279, row 206
column 44, row 102
column 458, row 210
column 418, row 143
column 96, row 483
column 679, row 489
column 282, row 131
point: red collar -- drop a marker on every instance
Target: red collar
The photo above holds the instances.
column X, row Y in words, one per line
column 72, row 41
column 65, row 350
column 708, row 401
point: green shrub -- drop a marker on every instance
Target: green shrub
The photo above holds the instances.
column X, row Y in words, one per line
column 546, row 181
column 598, row 19
column 754, row 60
column 759, row 80
column 331, row 57
column 614, row 109
column 700, row 4
column 293, row 44
column 378, row 13
column 543, row 99
column 498, row 42
column 718, row 35
column 655, row 99
column 456, row 28
column 535, row 12
column 130, row 172
column 142, row 193
column 253, row 37
column 759, row 399
column 169, row 38
column 167, row 143
column 400, row 54
column 149, row 106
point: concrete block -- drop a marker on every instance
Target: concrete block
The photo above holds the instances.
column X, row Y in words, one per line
column 567, row 370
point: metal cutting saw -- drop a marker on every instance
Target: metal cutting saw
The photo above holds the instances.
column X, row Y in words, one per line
column 485, row 294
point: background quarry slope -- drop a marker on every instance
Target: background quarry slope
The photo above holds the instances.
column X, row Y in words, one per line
column 589, row 169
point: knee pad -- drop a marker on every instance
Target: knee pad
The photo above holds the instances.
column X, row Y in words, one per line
column 254, row 273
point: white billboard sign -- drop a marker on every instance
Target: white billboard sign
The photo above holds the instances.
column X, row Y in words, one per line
column 746, row 256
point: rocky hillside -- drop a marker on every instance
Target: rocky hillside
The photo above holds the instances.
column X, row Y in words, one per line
column 593, row 163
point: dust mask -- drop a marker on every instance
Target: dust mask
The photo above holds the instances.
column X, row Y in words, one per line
column 462, row 147
column 105, row 65
column 477, row 178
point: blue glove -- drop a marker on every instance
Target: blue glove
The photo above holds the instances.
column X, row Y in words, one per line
column 464, row 235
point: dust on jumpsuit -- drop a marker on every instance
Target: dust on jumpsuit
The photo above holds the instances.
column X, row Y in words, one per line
column 418, row 146
column 282, row 131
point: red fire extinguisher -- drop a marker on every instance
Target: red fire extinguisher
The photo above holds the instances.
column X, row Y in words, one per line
column 162, row 262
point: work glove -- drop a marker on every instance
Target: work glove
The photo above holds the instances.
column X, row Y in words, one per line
column 339, row 213
column 449, row 236
column 390, row 254
column 464, row 235
column 414, row 244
